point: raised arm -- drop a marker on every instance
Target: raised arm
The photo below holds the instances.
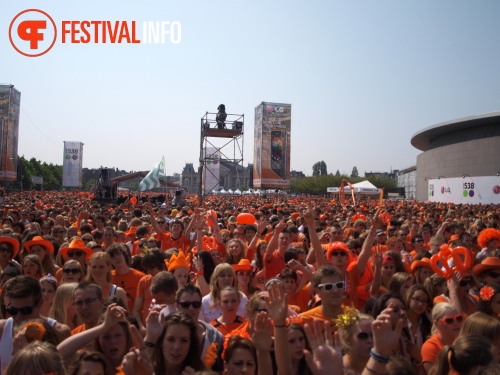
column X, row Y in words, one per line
column 366, row 250
column 152, row 216
column 273, row 244
column 277, row 307
column 114, row 314
column 319, row 256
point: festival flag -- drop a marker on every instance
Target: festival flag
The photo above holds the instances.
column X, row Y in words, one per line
column 152, row 180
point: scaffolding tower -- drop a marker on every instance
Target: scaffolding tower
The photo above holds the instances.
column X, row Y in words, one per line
column 226, row 142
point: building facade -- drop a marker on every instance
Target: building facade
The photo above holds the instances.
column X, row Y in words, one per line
column 467, row 146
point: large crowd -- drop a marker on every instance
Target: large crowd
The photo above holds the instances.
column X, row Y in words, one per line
column 247, row 285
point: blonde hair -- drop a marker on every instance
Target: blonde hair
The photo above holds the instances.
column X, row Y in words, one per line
column 59, row 310
column 106, row 258
column 214, row 285
column 35, row 259
column 346, row 333
column 439, row 311
column 229, row 258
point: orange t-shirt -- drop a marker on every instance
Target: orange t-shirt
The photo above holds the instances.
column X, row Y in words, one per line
column 226, row 329
column 300, row 299
column 167, row 242
column 143, row 290
column 273, row 267
column 353, row 280
column 363, row 293
column 316, row 313
column 128, row 282
column 78, row 329
column 431, row 348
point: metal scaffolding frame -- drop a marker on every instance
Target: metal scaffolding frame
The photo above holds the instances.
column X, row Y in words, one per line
column 225, row 141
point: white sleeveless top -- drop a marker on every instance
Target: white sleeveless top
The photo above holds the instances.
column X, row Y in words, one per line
column 7, row 339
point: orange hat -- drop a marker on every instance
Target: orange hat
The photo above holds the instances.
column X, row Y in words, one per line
column 243, row 265
column 322, row 217
column 38, row 240
column 489, row 263
column 424, row 262
column 13, row 242
column 295, row 215
column 77, row 244
column 487, row 235
column 178, row 261
column 338, row 246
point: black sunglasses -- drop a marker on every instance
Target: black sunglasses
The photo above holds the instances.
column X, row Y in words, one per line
column 73, row 254
column 465, row 282
column 25, row 310
column 186, row 304
column 4, row 250
column 492, row 274
column 74, row 271
column 339, row 253
column 364, row 336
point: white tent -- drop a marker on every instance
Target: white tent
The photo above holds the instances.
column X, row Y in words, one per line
column 363, row 187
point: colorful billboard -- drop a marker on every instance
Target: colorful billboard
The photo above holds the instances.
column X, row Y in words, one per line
column 72, row 164
column 465, row 190
column 272, row 145
column 10, row 104
column 211, row 173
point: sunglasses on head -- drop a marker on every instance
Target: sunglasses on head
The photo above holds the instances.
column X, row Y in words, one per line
column 339, row 253
column 451, row 319
column 185, row 304
column 492, row 274
column 74, row 271
column 419, row 240
column 363, row 336
column 25, row 310
column 73, row 254
column 465, row 282
column 329, row 286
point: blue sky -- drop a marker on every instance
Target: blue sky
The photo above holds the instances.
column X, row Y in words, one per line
column 362, row 78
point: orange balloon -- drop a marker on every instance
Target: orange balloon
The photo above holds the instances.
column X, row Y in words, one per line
column 133, row 200
column 245, row 218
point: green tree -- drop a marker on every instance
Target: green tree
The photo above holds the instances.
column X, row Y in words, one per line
column 354, row 173
column 319, row 169
column 337, row 174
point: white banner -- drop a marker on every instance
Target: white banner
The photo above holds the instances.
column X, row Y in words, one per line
column 211, row 174
column 72, row 164
column 466, row 190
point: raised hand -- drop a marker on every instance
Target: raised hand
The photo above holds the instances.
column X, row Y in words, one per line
column 326, row 355
column 276, row 304
column 261, row 337
column 385, row 338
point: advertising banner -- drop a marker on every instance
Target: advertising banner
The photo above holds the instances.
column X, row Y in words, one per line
column 466, row 190
column 72, row 164
column 211, row 174
column 10, row 103
column 272, row 145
